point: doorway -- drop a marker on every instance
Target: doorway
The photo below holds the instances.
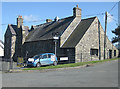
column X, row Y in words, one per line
column 110, row 54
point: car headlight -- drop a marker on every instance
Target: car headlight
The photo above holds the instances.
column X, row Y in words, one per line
column 31, row 59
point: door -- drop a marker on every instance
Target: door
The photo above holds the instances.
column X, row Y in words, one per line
column 110, row 54
column 43, row 60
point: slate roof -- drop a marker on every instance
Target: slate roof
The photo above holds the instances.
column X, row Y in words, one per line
column 14, row 30
column 78, row 33
column 1, row 42
column 25, row 28
column 12, row 27
column 44, row 31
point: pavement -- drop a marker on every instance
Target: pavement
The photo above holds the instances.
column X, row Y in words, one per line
column 99, row 75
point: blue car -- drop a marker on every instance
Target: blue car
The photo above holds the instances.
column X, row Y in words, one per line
column 42, row 59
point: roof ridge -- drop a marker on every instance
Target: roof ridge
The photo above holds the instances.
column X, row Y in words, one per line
column 2, row 42
column 11, row 29
column 53, row 21
column 89, row 18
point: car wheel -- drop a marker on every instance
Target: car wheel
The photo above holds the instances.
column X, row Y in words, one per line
column 38, row 65
column 55, row 63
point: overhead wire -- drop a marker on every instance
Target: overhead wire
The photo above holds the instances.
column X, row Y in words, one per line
column 83, row 15
column 113, row 7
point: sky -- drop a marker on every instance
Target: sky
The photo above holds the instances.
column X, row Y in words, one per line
column 35, row 13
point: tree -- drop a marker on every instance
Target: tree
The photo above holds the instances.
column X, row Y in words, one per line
column 117, row 33
column 117, row 38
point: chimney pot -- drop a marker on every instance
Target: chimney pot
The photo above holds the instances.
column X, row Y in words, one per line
column 48, row 20
column 56, row 18
column 77, row 6
column 19, row 21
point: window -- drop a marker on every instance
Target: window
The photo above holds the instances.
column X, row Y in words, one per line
column 49, row 55
column 114, row 52
column 94, row 52
column 44, row 56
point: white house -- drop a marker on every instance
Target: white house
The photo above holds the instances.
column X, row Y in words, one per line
column 1, row 48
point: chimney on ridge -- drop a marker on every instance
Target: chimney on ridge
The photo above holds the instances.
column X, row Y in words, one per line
column 48, row 20
column 19, row 21
column 77, row 11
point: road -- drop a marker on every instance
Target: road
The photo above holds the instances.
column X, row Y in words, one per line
column 99, row 75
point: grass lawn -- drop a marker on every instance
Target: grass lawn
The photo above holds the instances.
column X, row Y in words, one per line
column 70, row 65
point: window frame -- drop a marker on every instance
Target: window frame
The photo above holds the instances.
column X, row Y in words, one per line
column 114, row 52
column 93, row 52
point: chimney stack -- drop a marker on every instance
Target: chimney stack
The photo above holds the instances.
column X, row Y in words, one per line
column 48, row 20
column 77, row 11
column 19, row 21
column 56, row 18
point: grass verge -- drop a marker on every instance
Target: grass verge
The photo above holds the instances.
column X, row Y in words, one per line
column 70, row 65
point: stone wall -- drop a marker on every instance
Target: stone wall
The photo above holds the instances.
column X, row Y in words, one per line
column 91, row 40
column 13, row 45
column 7, row 44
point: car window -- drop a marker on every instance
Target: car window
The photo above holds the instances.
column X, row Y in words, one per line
column 40, row 57
column 44, row 56
column 49, row 55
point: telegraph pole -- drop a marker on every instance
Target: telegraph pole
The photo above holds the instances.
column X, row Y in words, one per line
column 99, row 40
column 105, row 35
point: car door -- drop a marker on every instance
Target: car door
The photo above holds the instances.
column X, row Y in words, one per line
column 49, row 59
column 44, row 60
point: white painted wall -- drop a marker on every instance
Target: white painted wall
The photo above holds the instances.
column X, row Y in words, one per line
column 1, row 49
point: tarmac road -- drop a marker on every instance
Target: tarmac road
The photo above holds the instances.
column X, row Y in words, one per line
column 99, row 75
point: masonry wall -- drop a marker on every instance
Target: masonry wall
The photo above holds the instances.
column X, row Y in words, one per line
column 91, row 40
column 13, row 40
column 7, row 44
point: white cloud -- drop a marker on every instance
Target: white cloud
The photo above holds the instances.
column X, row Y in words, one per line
column 30, row 18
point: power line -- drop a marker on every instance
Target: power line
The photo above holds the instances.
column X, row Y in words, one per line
column 103, row 12
column 34, row 21
column 83, row 15
column 94, row 14
column 113, row 7
column 113, row 19
column 27, row 22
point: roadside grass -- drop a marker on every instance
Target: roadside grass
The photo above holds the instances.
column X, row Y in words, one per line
column 69, row 65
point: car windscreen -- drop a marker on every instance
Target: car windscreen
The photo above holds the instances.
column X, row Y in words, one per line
column 36, row 57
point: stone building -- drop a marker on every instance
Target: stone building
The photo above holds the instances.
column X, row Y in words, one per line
column 15, row 38
column 79, row 39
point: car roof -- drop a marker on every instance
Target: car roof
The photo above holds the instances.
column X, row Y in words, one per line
column 45, row 53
